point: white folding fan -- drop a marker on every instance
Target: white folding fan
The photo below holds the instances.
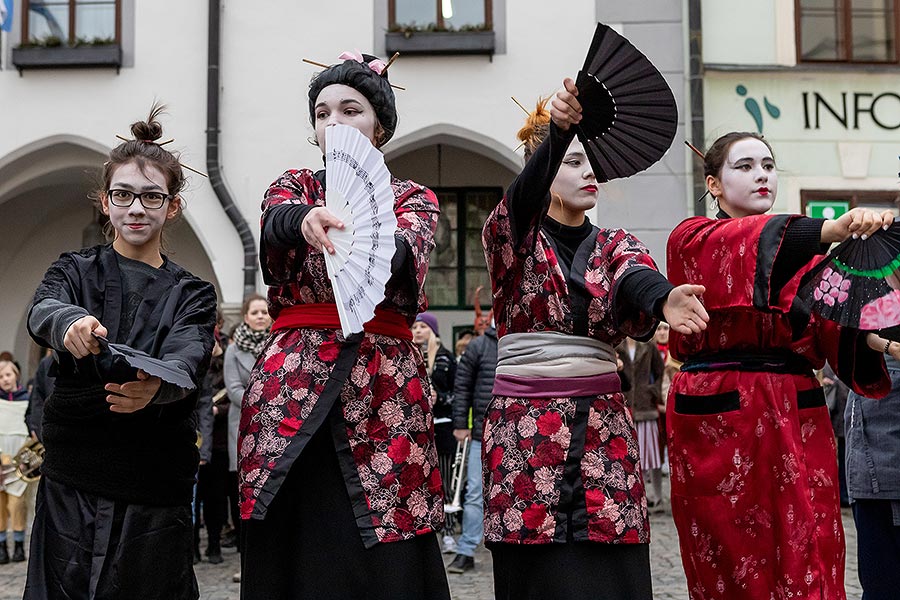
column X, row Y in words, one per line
column 358, row 191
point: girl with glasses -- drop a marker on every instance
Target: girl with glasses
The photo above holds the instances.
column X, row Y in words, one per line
column 120, row 460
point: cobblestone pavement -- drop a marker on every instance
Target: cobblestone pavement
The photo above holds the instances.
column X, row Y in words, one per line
column 668, row 578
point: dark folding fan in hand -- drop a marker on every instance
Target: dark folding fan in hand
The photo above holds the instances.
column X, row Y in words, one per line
column 121, row 363
column 858, row 284
column 630, row 116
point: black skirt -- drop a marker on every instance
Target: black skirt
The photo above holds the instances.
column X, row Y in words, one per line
column 571, row 571
column 309, row 546
column 86, row 547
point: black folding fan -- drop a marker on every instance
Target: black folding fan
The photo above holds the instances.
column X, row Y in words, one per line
column 858, row 284
column 120, row 364
column 630, row 116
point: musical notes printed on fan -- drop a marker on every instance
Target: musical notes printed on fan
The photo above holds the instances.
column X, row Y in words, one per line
column 359, row 192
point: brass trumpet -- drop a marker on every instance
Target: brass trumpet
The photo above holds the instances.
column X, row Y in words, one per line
column 25, row 465
column 459, row 477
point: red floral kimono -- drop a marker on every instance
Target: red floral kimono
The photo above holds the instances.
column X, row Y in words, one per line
column 754, row 473
column 386, row 448
column 535, row 448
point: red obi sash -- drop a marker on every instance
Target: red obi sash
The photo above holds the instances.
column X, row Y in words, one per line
column 325, row 316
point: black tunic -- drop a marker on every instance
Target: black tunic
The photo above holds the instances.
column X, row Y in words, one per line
column 116, row 488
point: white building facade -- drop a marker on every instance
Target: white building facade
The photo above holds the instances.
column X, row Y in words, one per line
column 456, row 130
column 819, row 79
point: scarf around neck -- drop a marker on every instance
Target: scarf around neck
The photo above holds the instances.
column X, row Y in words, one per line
column 248, row 340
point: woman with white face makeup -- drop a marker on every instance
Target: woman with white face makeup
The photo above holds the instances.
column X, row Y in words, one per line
column 754, row 477
column 565, row 509
column 340, row 486
column 120, row 462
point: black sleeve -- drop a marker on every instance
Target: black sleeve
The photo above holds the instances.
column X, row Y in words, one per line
column 802, row 242
column 529, row 194
column 642, row 290
column 464, row 384
column 190, row 340
column 281, row 226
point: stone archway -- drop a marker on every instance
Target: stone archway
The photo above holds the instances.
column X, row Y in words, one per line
column 469, row 172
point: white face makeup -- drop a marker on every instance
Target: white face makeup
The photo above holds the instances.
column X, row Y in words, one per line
column 138, row 228
column 748, row 181
column 342, row 104
column 575, row 182
column 257, row 317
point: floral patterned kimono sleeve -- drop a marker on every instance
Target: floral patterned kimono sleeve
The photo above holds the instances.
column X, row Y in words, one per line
column 417, row 213
column 282, row 249
column 624, row 255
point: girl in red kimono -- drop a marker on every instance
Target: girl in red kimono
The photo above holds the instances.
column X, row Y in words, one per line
column 565, row 510
column 754, row 476
column 340, row 487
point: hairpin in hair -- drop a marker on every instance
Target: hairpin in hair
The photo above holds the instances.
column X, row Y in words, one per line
column 378, row 66
column 694, row 148
column 519, row 104
column 702, row 157
column 160, row 144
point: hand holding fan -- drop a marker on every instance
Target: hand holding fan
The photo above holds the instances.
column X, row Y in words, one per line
column 358, row 191
column 858, row 284
column 630, row 116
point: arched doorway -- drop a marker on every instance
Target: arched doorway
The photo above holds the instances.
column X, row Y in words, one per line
column 45, row 211
column 469, row 173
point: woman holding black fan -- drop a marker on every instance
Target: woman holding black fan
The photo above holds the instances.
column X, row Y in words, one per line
column 566, row 513
column 754, row 478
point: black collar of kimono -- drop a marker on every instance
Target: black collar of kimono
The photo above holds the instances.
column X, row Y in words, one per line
column 722, row 214
column 320, row 175
column 574, row 233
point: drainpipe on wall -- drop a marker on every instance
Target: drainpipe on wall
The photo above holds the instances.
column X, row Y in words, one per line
column 695, row 60
column 213, row 167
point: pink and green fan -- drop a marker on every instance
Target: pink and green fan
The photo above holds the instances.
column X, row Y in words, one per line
column 858, row 284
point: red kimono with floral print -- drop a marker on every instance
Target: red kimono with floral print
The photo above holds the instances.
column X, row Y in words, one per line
column 754, row 473
column 534, row 447
column 386, row 446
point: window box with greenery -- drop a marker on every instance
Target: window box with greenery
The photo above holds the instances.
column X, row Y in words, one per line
column 69, row 34
column 451, row 27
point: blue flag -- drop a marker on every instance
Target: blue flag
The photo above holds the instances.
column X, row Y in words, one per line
column 6, row 15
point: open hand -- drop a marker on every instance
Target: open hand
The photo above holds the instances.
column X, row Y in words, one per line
column 315, row 228
column 683, row 310
column 565, row 110
column 78, row 339
column 132, row 396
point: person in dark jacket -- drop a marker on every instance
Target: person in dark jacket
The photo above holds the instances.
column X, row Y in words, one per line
column 473, row 390
column 441, row 367
column 40, row 391
column 643, row 367
column 872, row 429
column 212, row 477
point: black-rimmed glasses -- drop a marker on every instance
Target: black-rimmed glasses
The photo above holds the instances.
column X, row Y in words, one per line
column 149, row 200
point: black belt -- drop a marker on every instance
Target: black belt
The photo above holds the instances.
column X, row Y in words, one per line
column 785, row 363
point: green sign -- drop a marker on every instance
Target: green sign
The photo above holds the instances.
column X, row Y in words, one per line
column 826, row 209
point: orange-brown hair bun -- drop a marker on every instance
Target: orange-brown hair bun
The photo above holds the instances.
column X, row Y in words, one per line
column 536, row 127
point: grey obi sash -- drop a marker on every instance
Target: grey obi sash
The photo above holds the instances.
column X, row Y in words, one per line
column 551, row 364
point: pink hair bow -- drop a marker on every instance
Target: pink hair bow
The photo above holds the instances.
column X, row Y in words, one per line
column 376, row 65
